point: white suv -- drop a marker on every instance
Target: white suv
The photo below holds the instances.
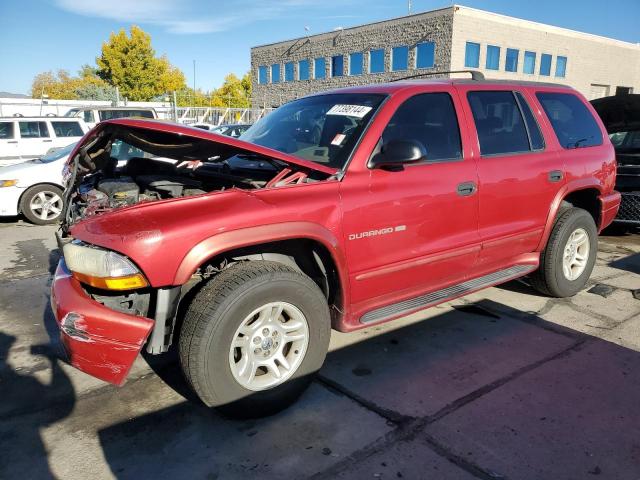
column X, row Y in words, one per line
column 93, row 115
column 22, row 138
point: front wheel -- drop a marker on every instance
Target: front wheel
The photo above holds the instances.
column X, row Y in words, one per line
column 42, row 204
column 568, row 259
column 253, row 338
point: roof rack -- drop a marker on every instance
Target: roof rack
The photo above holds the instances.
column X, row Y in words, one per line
column 475, row 75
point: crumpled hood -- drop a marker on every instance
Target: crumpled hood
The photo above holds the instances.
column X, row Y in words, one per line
column 619, row 113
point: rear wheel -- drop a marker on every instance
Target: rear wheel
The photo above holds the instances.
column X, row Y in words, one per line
column 42, row 204
column 253, row 338
column 568, row 259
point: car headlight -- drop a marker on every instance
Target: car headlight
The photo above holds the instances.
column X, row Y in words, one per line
column 102, row 268
column 8, row 183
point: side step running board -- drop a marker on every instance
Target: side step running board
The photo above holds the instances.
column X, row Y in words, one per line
column 439, row 296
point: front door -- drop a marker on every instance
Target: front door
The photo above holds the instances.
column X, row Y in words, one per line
column 413, row 230
column 35, row 139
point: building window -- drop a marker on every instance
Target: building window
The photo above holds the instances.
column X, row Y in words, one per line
column 319, row 67
column 263, row 75
column 288, row 72
column 472, row 55
column 337, row 66
column 493, row 57
column 529, row 63
column 303, row 70
column 355, row 63
column 425, row 55
column 545, row 64
column 275, row 73
column 561, row 66
column 511, row 64
column 399, row 58
column 376, row 61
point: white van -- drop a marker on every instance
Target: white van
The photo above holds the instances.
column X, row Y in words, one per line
column 94, row 115
column 23, row 138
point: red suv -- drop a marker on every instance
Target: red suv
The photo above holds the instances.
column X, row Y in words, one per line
column 338, row 210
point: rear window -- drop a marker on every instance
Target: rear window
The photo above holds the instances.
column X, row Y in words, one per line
column 34, row 129
column 571, row 120
column 6, row 130
column 67, row 129
column 499, row 123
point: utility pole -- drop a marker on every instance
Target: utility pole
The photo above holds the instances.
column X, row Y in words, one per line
column 409, row 6
column 194, row 79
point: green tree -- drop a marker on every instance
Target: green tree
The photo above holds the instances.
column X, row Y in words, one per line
column 129, row 62
column 61, row 85
column 234, row 93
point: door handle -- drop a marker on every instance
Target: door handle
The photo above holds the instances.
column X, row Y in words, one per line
column 12, row 141
column 48, row 141
column 555, row 176
column 466, row 188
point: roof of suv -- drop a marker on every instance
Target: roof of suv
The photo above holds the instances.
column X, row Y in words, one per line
column 40, row 118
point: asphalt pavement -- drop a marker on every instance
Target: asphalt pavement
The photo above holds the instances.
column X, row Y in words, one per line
column 503, row 383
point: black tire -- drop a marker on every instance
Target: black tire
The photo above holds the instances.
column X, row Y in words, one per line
column 213, row 318
column 549, row 279
column 34, row 216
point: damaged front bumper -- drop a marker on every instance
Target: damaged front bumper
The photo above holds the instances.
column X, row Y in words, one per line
column 98, row 340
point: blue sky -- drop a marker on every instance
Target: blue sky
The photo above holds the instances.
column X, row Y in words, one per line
column 40, row 35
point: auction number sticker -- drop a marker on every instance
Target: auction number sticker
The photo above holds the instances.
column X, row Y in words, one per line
column 357, row 111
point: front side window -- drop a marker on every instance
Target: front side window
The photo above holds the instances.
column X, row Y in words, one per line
column 288, row 72
column 319, row 67
column 67, row 129
column 571, row 120
column 529, row 63
column 493, row 57
column 6, row 131
column 499, row 123
column 337, row 66
column 425, row 55
column 376, row 61
column 355, row 63
column 399, row 58
column 88, row 117
column 511, row 63
column 472, row 55
column 545, row 64
column 561, row 67
column 263, row 75
column 430, row 119
column 275, row 73
column 323, row 128
column 33, row 129
column 303, row 70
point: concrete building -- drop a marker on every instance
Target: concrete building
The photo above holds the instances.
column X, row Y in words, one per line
column 452, row 38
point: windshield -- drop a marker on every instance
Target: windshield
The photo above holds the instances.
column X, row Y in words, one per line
column 626, row 140
column 322, row 128
column 58, row 153
column 72, row 112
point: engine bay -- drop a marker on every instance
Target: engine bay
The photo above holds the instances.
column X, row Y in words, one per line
column 124, row 166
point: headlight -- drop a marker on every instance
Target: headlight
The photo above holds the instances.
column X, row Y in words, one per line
column 102, row 268
column 8, row 183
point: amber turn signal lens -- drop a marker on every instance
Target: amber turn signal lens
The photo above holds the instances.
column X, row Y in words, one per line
column 113, row 283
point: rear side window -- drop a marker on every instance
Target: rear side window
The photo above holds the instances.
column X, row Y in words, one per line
column 67, row 129
column 499, row 123
column 110, row 114
column 533, row 129
column 34, row 130
column 6, row 130
column 571, row 120
column 429, row 118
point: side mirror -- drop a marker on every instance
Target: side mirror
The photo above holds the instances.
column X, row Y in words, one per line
column 395, row 153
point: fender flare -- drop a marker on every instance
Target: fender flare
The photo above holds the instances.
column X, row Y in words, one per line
column 246, row 237
column 573, row 186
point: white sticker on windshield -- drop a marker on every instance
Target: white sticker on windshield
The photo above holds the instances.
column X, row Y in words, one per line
column 357, row 111
column 338, row 139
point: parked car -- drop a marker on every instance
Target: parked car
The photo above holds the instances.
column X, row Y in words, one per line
column 413, row 193
column 93, row 115
column 34, row 188
column 231, row 130
column 23, row 138
column 621, row 117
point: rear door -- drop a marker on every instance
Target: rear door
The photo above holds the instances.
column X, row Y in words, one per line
column 8, row 142
column 519, row 174
column 35, row 138
column 413, row 230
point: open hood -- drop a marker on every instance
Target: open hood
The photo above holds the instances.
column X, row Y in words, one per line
column 619, row 113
